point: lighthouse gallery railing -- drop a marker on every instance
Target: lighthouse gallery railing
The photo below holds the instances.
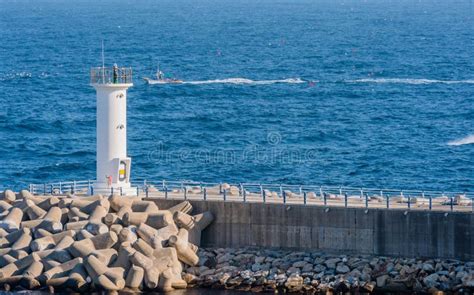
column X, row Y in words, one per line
column 104, row 75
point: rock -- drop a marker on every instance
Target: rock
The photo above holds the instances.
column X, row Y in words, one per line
column 190, row 278
column 342, row 268
column 307, row 268
column 300, row 264
column 207, row 272
column 428, row 267
column 319, row 268
column 431, row 280
column 210, row 262
column 259, row 259
column 331, row 263
column 468, row 280
column 382, row 281
column 224, row 258
column 369, row 286
column 294, row 283
column 256, row 267
column 223, row 278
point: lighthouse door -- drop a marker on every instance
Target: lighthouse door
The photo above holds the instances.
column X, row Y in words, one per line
column 122, row 171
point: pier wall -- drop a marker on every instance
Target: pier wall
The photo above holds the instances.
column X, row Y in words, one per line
column 385, row 232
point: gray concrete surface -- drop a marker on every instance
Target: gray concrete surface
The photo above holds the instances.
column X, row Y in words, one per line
column 394, row 232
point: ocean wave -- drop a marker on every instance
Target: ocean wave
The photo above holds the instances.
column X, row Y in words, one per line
column 466, row 140
column 23, row 75
column 14, row 75
column 410, row 81
column 244, row 81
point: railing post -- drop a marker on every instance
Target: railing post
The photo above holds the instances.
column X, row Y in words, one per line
column 452, row 204
column 261, row 193
column 184, row 190
column 92, row 190
column 409, row 202
column 44, row 188
column 30, row 188
column 138, row 191
column 321, row 192
column 244, row 194
column 304, row 198
column 281, row 190
column 200, row 186
column 166, row 192
column 388, row 201
column 431, row 202
column 51, row 187
column 121, row 191
column 241, row 190
column 204, row 194
column 472, row 204
column 284, row 197
column 301, row 190
column 112, row 191
column 146, row 190
column 345, row 200
column 60, row 188
column 264, row 196
column 220, row 188
column 88, row 183
column 224, row 195
column 163, row 184
column 325, row 199
column 366, row 200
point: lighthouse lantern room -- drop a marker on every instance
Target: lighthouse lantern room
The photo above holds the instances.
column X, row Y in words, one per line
column 113, row 164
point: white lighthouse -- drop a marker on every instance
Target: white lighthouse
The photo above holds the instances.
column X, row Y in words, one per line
column 113, row 164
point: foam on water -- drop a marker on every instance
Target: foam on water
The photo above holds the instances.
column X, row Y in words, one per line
column 466, row 140
column 14, row 75
column 246, row 81
column 410, row 81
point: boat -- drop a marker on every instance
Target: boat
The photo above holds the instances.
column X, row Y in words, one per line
column 160, row 79
column 163, row 81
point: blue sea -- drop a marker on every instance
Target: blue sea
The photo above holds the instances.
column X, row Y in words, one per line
column 360, row 93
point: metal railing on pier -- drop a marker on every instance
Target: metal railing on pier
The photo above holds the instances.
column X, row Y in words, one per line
column 330, row 196
column 82, row 187
column 113, row 75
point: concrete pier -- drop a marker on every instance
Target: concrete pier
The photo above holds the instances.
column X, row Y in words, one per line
column 394, row 232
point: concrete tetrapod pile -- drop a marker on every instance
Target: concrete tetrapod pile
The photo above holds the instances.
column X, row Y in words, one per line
column 95, row 242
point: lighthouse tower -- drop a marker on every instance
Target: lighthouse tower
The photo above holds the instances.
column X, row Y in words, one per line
column 113, row 165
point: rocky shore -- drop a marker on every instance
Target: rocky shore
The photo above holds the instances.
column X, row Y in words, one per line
column 266, row 270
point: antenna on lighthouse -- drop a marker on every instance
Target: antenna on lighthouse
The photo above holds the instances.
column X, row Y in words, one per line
column 103, row 62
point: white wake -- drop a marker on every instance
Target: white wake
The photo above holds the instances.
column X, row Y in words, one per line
column 246, row 81
column 466, row 140
column 410, row 81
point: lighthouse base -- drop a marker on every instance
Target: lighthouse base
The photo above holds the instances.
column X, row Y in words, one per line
column 124, row 189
